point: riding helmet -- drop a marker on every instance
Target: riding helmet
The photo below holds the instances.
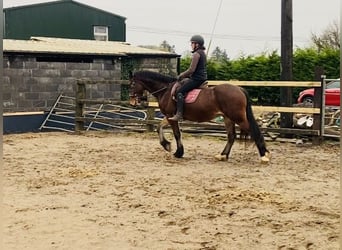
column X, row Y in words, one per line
column 197, row 39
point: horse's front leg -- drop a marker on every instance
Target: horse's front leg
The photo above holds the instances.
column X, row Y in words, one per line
column 231, row 135
column 177, row 134
column 160, row 129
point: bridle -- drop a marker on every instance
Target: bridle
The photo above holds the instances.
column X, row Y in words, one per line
column 139, row 98
column 134, row 98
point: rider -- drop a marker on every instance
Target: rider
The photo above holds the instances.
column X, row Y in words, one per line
column 193, row 77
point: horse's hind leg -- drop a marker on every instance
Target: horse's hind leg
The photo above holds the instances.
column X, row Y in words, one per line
column 160, row 129
column 231, row 135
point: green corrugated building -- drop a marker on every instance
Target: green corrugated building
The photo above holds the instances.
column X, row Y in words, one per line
column 64, row 19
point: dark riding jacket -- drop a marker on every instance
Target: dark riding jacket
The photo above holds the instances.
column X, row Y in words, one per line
column 195, row 75
column 198, row 67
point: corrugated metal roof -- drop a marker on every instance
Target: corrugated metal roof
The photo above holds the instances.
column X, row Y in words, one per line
column 52, row 45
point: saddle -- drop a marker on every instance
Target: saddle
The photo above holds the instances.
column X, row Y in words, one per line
column 192, row 95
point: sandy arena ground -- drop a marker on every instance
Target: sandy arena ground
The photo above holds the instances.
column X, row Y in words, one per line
column 123, row 191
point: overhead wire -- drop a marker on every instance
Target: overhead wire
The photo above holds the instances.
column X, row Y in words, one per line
column 217, row 36
column 213, row 30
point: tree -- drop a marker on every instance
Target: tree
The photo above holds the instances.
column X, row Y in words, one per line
column 329, row 39
column 164, row 46
column 167, row 47
column 219, row 55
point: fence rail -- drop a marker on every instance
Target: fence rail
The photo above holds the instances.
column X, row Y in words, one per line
column 317, row 111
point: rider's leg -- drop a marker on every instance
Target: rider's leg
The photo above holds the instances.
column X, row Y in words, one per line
column 180, row 107
column 188, row 85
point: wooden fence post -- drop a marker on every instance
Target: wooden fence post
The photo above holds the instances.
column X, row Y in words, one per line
column 80, row 94
column 286, row 119
column 318, row 103
column 150, row 117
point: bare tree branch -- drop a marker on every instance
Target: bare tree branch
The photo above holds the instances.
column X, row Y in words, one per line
column 330, row 37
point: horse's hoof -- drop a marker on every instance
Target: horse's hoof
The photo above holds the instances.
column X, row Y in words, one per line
column 221, row 157
column 166, row 145
column 265, row 159
column 179, row 153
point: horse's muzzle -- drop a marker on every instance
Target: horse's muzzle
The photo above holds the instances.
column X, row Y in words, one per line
column 133, row 101
column 137, row 100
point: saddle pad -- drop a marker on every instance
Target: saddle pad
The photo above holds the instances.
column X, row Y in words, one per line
column 192, row 96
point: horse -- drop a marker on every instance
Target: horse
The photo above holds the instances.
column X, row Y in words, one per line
column 230, row 101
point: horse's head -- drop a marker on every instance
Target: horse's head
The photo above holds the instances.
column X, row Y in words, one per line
column 155, row 83
column 136, row 91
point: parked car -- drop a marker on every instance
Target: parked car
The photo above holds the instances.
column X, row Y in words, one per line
column 332, row 94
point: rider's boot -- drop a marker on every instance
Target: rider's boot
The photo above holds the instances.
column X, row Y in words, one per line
column 180, row 106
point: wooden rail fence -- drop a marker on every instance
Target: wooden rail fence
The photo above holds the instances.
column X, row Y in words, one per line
column 317, row 111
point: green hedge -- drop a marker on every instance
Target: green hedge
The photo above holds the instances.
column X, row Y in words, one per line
column 267, row 68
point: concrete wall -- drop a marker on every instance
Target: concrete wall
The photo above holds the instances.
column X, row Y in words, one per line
column 32, row 84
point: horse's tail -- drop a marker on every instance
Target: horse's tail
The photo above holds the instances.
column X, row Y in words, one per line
column 254, row 129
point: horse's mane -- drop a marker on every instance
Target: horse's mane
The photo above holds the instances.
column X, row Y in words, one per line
column 155, row 76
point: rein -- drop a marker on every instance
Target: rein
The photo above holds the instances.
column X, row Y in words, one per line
column 157, row 91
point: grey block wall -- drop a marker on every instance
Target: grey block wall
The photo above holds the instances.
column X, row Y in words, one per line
column 31, row 84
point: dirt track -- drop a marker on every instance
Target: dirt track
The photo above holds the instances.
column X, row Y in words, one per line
column 120, row 191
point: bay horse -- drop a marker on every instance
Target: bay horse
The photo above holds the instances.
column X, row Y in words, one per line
column 230, row 101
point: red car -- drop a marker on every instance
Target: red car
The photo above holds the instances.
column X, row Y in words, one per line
column 332, row 94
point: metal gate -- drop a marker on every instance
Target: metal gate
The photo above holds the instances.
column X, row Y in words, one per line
column 61, row 117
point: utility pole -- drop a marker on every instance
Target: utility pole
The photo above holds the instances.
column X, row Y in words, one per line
column 286, row 119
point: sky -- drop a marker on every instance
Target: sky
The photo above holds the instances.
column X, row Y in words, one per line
column 240, row 27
